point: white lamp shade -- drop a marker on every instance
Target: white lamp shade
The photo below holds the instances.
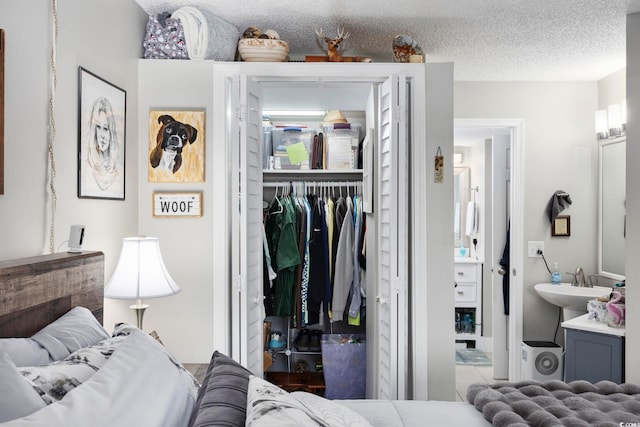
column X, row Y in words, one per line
column 140, row 272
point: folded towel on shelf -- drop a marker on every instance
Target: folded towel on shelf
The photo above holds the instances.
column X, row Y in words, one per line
column 558, row 202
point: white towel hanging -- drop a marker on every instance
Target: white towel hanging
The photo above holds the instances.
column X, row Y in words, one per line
column 472, row 219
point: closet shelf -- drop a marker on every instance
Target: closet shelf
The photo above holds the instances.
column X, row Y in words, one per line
column 269, row 175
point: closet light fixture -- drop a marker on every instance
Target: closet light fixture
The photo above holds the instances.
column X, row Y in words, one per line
column 297, row 113
column 140, row 273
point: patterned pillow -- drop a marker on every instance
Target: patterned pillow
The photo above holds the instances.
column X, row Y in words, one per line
column 270, row 406
column 17, row 398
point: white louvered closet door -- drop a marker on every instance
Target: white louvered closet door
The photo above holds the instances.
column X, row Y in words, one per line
column 392, row 239
column 247, row 248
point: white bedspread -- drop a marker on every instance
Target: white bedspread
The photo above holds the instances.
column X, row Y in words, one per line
column 416, row 413
column 139, row 386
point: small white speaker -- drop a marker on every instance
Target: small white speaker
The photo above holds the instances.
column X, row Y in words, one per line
column 76, row 237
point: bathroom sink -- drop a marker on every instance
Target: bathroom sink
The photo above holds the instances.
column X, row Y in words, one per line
column 572, row 299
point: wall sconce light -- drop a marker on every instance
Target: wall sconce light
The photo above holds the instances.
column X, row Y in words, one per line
column 601, row 124
column 614, row 119
column 612, row 122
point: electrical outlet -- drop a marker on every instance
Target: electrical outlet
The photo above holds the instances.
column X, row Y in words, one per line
column 534, row 247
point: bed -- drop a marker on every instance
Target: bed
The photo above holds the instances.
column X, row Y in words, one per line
column 51, row 321
column 59, row 366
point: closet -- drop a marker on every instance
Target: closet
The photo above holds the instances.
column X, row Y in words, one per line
column 383, row 98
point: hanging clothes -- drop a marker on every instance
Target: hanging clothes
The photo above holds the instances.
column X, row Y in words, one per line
column 284, row 253
column 344, row 264
column 317, row 271
column 504, row 263
column 356, row 297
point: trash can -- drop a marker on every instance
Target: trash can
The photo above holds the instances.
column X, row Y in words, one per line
column 344, row 364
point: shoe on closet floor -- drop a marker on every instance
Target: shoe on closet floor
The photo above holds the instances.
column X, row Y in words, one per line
column 278, row 341
column 314, row 341
column 302, row 340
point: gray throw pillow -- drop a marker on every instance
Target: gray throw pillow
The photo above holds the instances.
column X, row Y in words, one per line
column 222, row 398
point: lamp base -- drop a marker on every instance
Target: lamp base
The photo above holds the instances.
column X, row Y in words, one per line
column 139, row 307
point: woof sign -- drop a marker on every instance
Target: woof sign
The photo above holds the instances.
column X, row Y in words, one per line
column 177, row 204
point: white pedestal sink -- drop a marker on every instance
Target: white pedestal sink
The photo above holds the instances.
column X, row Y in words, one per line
column 572, row 299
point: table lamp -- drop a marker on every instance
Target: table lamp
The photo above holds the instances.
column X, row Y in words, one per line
column 140, row 273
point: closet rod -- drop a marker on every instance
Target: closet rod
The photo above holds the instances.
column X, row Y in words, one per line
column 312, row 183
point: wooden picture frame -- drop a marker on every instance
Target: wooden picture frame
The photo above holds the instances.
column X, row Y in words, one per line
column 176, row 146
column 561, row 226
column 102, row 109
column 177, row 204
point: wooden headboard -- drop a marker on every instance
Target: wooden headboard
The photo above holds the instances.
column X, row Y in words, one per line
column 37, row 290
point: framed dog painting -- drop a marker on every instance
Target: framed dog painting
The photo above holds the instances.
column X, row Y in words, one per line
column 101, row 138
column 176, row 146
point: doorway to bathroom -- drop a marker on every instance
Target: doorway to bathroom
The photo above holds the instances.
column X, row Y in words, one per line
column 492, row 150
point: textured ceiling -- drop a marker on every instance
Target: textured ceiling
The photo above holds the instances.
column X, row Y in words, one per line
column 487, row 40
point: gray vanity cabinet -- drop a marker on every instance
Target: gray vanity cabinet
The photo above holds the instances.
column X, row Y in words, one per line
column 593, row 356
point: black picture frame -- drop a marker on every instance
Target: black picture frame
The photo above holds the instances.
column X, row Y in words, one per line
column 561, row 226
column 102, row 111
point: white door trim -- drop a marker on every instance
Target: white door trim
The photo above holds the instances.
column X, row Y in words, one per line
column 515, row 333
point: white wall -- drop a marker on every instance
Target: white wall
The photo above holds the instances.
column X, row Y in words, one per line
column 612, row 89
column 560, row 152
column 84, row 40
column 184, row 321
column 632, row 267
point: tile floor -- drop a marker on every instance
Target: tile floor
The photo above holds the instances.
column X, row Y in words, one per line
column 470, row 374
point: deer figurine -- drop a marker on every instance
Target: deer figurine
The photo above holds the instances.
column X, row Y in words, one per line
column 334, row 44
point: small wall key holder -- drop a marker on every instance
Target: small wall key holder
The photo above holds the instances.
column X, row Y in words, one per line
column 438, row 171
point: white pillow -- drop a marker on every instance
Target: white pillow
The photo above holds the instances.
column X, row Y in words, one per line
column 25, row 351
column 76, row 329
column 270, row 406
column 17, row 399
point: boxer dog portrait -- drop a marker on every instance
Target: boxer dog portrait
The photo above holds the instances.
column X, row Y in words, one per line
column 170, row 140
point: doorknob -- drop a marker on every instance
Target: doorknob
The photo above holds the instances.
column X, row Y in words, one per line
column 502, row 271
column 380, row 300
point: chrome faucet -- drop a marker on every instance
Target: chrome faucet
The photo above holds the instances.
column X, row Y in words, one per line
column 579, row 280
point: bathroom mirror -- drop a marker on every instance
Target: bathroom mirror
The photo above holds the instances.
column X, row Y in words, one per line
column 461, row 184
column 611, row 208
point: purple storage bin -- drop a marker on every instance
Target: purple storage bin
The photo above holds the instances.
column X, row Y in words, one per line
column 344, row 366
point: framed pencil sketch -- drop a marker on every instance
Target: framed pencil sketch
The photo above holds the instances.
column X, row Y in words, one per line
column 176, row 146
column 101, row 137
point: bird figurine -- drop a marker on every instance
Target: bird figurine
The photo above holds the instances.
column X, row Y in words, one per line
column 616, row 311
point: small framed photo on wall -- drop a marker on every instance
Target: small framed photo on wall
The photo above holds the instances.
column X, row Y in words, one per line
column 101, row 137
column 561, row 226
